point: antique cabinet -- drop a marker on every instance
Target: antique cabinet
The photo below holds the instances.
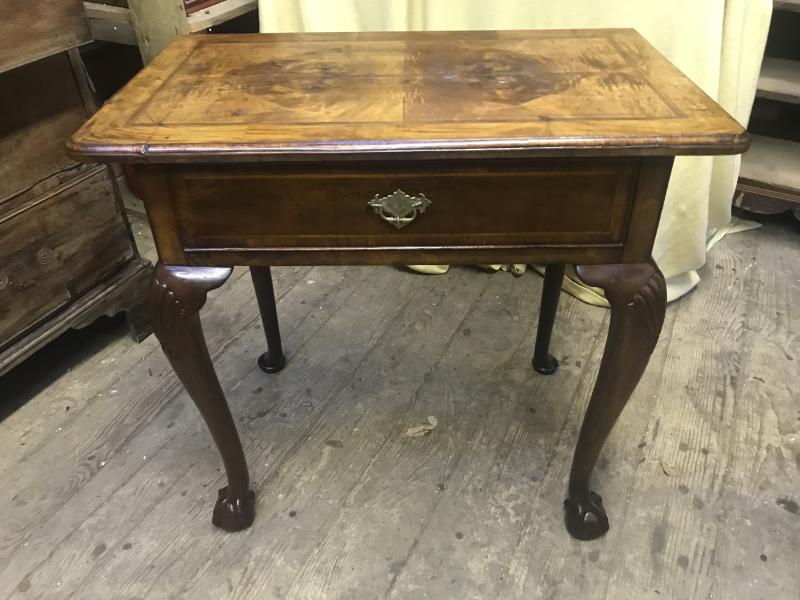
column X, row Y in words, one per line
column 66, row 250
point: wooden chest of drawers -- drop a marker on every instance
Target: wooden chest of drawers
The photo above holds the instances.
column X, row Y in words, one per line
column 56, row 247
column 66, row 250
column 40, row 104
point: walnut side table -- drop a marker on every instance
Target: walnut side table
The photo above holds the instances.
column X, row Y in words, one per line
column 391, row 148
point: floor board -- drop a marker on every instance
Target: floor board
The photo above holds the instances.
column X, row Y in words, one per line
column 109, row 474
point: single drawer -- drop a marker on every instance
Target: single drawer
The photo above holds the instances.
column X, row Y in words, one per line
column 57, row 247
column 546, row 202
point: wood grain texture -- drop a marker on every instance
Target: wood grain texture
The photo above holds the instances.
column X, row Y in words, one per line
column 32, row 30
column 124, row 291
column 66, row 253
column 156, row 23
column 606, row 93
column 544, row 202
column 603, row 210
column 56, row 248
column 302, row 96
column 470, row 511
column 40, row 107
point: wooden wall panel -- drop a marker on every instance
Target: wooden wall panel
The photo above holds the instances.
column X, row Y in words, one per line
column 33, row 29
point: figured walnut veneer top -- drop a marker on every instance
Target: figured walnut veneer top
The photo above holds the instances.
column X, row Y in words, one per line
column 419, row 94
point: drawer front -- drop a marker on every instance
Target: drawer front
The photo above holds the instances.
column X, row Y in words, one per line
column 541, row 203
column 56, row 248
column 40, row 107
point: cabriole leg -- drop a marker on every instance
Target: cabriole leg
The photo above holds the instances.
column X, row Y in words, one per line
column 637, row 295
column 177, row 296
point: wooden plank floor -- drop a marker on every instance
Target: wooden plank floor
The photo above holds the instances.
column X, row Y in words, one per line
column 108, row 475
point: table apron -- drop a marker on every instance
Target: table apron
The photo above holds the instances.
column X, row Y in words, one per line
column 602, row 210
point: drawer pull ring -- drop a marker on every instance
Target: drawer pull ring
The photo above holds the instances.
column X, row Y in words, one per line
column 399, row 209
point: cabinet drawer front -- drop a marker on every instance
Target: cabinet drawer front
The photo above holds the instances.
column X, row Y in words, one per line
column 56, row 248
column 545, row 203
column 40, row 107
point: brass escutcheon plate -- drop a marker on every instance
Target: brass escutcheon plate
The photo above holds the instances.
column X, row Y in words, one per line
column 398, row 208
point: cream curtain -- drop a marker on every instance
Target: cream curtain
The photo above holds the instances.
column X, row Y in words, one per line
column 717, row 43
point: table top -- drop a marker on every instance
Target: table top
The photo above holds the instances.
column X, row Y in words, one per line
column 268, row 97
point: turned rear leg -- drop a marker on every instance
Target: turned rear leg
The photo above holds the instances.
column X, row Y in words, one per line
column 544, row 362
column 273, row 360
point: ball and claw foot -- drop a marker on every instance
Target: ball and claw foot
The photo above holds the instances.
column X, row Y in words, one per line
column 234, row 514
column 271, row 364
column 585, row 518
column 548, row 366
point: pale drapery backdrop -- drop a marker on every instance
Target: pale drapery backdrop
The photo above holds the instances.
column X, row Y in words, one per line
column 717, row 43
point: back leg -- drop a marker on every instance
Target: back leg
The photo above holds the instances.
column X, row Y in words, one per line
column 544, row 362
column 273, row 360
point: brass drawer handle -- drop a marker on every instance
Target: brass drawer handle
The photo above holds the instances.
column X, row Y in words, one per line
column 399, row 209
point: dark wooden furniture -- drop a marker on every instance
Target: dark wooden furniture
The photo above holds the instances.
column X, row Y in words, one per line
column 66, row 250
column 381, row 148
